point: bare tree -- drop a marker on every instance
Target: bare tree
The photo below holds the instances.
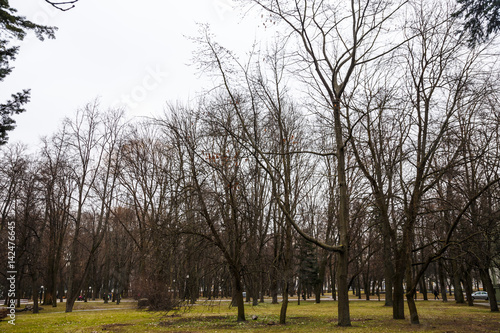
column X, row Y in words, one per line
column 214, row 166
column 441, row 70
column 150, row 178
column 94, row 143
column 335, row 40
column 12, row 166
column 57, row 191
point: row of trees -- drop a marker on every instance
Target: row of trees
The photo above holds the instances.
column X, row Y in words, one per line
column 360, row 151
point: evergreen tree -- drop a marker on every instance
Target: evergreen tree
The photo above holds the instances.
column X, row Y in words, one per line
column 308, row 265
column 14, row 27
column 482, row 19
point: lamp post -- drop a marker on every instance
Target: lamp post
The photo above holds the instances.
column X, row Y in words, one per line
column 186, row 295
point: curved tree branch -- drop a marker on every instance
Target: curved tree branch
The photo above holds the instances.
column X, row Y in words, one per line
column 62, row 5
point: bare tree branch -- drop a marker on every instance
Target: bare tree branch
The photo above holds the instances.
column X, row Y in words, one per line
column 62, row 5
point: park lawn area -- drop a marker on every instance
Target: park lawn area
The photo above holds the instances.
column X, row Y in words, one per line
column 91, row 305
column 366, row 316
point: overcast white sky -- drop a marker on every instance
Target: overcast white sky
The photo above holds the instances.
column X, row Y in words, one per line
column 134, row 53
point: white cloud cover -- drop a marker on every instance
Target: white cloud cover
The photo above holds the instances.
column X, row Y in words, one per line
column 130, row 53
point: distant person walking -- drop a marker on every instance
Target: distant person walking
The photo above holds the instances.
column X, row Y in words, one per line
column 436, row 294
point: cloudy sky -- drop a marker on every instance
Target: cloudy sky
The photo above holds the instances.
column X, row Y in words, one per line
column 124, row 52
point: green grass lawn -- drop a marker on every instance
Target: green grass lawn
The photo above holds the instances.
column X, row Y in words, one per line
column 216, row 316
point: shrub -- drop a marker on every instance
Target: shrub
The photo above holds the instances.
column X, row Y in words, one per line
column 156, row 296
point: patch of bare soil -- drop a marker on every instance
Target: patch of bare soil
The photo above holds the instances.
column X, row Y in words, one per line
column 459, row 326
column 178, row 321
column 215, row 322
column 114, row 327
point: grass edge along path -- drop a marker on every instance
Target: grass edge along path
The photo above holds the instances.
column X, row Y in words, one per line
column 366, row 316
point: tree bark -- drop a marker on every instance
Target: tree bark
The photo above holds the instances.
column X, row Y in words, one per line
column 468, row 288
column 442, row 282
column 411, row 292
column 238, row 294
column 423, row 288
column 459, row 293
column 35, row 287
column 333, row 273
column 284, row 304
column 485, row 277
column 344, row 318
column 398, row 306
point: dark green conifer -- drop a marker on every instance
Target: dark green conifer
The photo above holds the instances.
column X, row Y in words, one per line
column 481, row 19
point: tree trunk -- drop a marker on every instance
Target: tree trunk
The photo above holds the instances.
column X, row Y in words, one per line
column 18, row 292
column 389, row 284
column 261, row 287
column 238, row 294
column 299, row 291
column 70, row 302
column 35, row 296
column 287, row 276
column 398, row 306
column 423, row 288
column 459, row 293
column 106, row 293
column 442, row 282
column 411, row 291
column 317, row 292
column 284, row 304
column 51, row 286
column 358, row 287
column 344, row 318
column 410, row 298
column 274, row 291
column 343, row 294
column 485, row 277
column 333, row 282
column 468, row 288
column 367, row 287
